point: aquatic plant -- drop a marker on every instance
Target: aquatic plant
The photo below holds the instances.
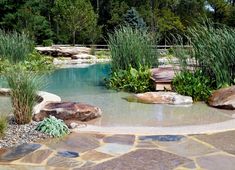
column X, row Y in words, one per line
column 194, row 84
column 24, row 86
column 131, row 80
column 214, row 51
column 15, row 46
column 131, row 47
column 53, row 126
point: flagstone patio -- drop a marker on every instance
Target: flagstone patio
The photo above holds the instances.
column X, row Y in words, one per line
column 124, row 152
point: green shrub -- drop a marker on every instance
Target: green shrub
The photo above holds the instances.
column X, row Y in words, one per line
column 34, row 62
column 14, row 46
column 131, row 47
column 3, row 124
column 38, row 63
column 24, row 86
column 194, row 84
column 131, row 80
column 47, row 43
column 54, row 127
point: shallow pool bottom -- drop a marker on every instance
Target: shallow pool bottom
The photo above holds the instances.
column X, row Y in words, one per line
column 86, row 85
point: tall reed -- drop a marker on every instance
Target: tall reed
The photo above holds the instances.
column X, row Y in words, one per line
column 131, row 47
column 14, row 46
column 214, row 51
column 24, row 86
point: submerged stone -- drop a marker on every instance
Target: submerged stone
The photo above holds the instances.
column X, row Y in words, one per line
column 19, row 152
column 160, row 98
column 68, row 154
column 162, row 138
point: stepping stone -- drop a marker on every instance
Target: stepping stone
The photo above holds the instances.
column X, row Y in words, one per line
column 162, row 138
column 95, row 156
column 114, row 149
column 37, row 157
column 120, row 139
column 68, row 154
column 190, row 148
column 217, row 162
column 22, row 167
column 19, row 152
column 224, row 141
column 144, row 159
column 76, row 142
column 62, row 162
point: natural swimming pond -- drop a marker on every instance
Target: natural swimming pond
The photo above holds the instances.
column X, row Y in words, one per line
column 87, row 85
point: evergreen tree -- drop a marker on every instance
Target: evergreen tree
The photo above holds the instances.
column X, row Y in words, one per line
column 133, row 19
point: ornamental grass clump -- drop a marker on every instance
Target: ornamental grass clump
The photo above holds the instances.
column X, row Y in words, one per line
column 131, row 47
column 14, row 46
column 24, row 86
column 53, row 127
column 3, row 124
column 214, row 51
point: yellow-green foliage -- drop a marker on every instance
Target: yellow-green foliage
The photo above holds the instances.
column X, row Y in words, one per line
column 3, row 124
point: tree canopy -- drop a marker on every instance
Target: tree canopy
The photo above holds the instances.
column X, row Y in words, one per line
column 89, row 21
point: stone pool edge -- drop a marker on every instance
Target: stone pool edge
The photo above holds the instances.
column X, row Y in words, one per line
column 46, row 97
column 228, row 125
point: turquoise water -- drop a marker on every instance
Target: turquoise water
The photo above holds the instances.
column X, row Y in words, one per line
column 86, row 85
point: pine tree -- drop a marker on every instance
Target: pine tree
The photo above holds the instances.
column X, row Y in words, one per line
column 133, row 19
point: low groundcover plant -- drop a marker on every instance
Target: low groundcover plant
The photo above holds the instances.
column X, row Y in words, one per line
column 53, row 126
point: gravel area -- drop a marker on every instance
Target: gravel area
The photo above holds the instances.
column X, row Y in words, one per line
column 18, row 134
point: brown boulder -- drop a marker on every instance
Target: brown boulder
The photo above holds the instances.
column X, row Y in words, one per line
column 69, row 111
column 223, row 98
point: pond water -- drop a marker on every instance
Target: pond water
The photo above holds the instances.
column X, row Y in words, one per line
column 87, row 85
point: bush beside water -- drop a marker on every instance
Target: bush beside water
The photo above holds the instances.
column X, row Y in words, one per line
column 131, row 80
column 132, row 56
column 194, row 84
column 131, row 47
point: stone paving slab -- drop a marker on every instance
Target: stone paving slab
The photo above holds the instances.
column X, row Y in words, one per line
column 217, row 162
column 124, row 152
column 144, row 159
column 224, row 141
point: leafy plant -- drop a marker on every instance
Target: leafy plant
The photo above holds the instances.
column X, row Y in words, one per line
column 48, row 42
column 131, row 80
column 24, row 86
column 14, row 46
column 53, row 126
column 194, row 84
column 131, row 47
column 34, row 62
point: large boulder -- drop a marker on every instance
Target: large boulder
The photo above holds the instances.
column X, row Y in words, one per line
column 223, row 98
column 57, row 51
column 69, row 111
column 161, row 98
